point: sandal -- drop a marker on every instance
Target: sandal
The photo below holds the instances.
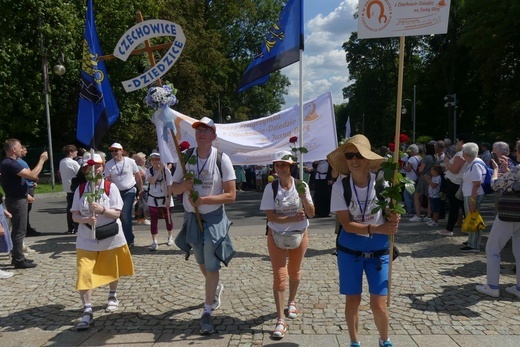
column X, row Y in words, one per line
column 112, row 305
column 86, row 321
column 280, row 329
column 292, row 311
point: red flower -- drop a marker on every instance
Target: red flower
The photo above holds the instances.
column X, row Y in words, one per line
column 91, row 162
column 391, row 146
column 403, row 138
column 293, row 139
column 184, row 145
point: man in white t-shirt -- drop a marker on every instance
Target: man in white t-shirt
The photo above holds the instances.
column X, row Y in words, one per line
column 124, row 173
column 207, row 188
column 68, row 170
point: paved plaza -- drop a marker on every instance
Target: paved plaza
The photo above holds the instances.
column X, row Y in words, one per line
column 433, row 301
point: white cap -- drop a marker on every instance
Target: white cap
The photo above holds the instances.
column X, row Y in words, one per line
column 279, row 156
column 96, row 160
column 205, row 121
column 115, row 145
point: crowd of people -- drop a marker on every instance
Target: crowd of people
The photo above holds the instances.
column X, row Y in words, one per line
column 101, row 201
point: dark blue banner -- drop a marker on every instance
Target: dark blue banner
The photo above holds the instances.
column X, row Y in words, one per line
column 98, row 108
column 280, row 48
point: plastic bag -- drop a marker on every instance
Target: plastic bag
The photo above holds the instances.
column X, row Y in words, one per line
column 142, row 211
column 473, row 223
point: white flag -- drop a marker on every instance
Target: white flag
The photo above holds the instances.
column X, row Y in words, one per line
column 347, row 128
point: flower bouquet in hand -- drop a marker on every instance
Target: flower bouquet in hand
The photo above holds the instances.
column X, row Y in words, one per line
column 391, row 194
column 300, row 186
column 184, row 146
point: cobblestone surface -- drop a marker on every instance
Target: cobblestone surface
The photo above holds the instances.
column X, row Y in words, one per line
column 432, row 294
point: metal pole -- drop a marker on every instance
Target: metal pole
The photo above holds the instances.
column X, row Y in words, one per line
column 47, row 110
column 413, row 114
column 363, row 125
column 454, row 118
column 219, row 110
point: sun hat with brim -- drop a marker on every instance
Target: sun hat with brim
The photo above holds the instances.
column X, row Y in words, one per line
column 283, row 156
column 115, row 145
column 337, row 159
column 205, row 121
column 154, row 155
column 87, row 160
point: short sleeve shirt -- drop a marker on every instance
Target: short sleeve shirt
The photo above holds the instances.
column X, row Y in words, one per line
column 14, row 186
column 121, row 173
column 156, row 193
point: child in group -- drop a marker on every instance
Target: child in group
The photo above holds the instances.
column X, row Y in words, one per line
column 259, row 173
column 434, row 193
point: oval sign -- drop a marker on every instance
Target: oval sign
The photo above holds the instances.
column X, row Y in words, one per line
column 137, row 35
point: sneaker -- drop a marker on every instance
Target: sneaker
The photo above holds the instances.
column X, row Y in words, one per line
column 355, row 344
column 5, row 274
column 280, row 329
column 147, row 222
column 27, row 249
column 427, row 219
column 170, row 241
column 514, row 291
column 206, row 327
column 415, row 219
column 218, row 292
column 468, row 249
column 432, row 224
column 485, row 289
column 386, row 343
column 112, row 305
column 154, row 246
column 444, row 232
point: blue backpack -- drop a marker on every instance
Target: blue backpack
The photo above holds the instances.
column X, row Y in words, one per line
column 486, row 185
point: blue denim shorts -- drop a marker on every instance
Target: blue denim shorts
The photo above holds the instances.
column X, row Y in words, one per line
column 351, row 270
column 435, row 204
column 204, row 253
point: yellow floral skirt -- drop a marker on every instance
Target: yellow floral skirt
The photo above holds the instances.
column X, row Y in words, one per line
column 99, row 268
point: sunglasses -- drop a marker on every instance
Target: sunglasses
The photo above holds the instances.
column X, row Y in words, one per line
column 351, row 156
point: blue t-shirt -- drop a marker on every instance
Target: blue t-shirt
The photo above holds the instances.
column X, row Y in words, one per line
column 14, row 186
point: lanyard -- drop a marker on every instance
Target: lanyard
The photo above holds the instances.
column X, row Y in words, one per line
column 363, row 210
column 120, row 171
column 203, row 165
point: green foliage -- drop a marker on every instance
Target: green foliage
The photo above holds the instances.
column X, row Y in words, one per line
column 392, row 202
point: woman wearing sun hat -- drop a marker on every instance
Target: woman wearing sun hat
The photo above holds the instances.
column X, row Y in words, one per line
column 287, row 211
column 363, row 241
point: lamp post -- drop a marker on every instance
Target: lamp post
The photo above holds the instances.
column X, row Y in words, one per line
column 404, row 110
column 451, row 100
column 58, row 70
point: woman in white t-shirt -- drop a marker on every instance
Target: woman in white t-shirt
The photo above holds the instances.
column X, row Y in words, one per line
column 100, row 262
column 286, row 211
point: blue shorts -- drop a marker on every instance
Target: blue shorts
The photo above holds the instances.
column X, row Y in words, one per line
column 435, row 204
column 351, row 269
column 204, row 253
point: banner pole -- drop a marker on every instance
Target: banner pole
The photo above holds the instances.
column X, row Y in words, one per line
column 300, row 165
column 396, row 152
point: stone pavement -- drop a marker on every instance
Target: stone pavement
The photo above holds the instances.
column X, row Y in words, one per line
column 433, row 298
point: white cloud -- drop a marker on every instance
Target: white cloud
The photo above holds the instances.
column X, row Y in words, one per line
column 324, row 65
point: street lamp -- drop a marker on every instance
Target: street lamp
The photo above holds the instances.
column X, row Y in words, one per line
column 451, row 100
column 404, row 110
column 59, row 70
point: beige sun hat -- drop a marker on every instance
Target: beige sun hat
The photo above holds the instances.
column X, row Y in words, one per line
column 337, row 159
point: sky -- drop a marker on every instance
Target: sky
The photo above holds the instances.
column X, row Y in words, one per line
column 328, row 24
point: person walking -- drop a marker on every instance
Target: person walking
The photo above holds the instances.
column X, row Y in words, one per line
column 68, row 170
column 99, row 262
column 363, row 241
column 502, row 231
column 124, row 173
column 212, row 245
column 160, row 198
column 6, row 244
column 287, row 211
column 17, row 196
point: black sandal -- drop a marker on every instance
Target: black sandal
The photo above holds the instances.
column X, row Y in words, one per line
column 85, row 323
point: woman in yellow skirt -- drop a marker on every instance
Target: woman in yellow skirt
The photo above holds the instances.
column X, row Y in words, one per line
column 100, row 262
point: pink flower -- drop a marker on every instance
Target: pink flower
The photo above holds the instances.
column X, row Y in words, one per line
column 293, row 139
column 184, row 145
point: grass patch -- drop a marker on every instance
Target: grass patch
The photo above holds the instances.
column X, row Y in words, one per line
column 44, row 188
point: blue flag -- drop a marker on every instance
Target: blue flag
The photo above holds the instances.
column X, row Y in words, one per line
column 280, row 48
column 97, row 109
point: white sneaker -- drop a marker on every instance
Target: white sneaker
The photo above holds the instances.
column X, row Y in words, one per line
column 27, row 249
column 147, row 222
column 5, row 274
column 427, row 219
column 512, row 290
column 154, row 246
column 485, row 289
column 432, row 224
column 170, row 241
column 218, row 292
column 415, row 219
column 444, row 232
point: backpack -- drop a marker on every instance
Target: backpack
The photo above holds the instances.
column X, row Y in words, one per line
column 106, row 187
column 486, row 185
column 190, row 151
